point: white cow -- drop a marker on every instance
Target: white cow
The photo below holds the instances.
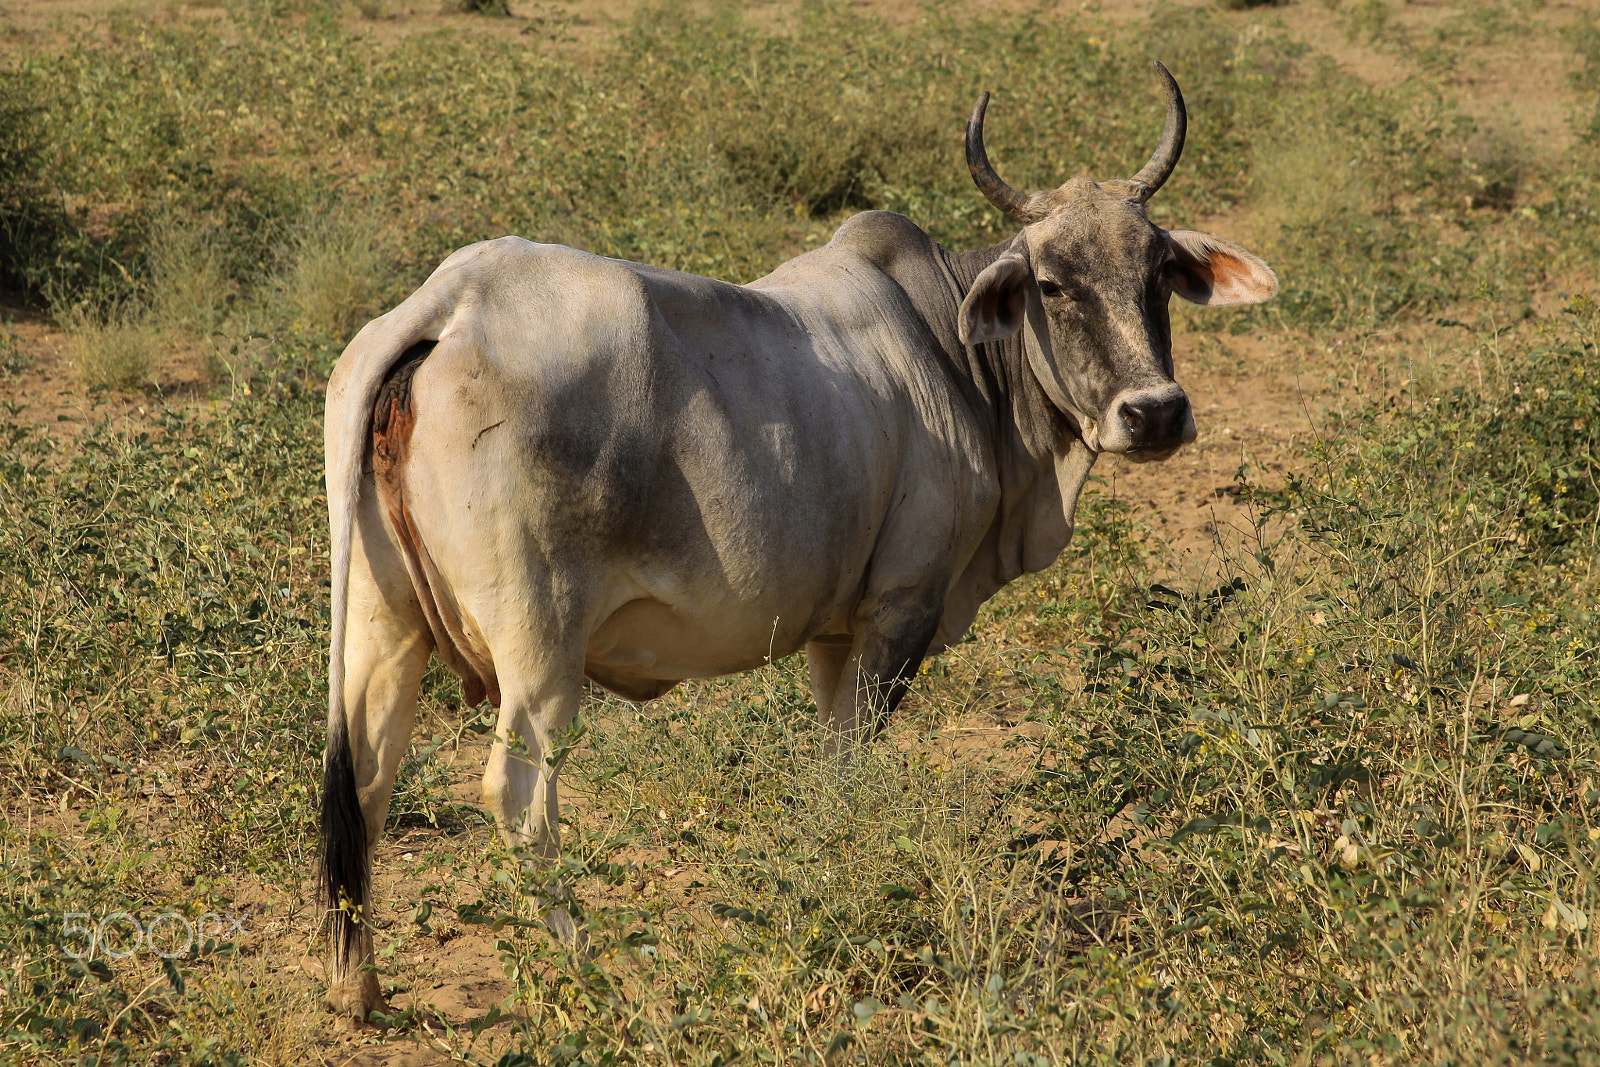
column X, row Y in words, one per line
column 546, row 466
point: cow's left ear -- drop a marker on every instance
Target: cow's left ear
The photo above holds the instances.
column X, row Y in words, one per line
column 997, row 302
column 1209, row 270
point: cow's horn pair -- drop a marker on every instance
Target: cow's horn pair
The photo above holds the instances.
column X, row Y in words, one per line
column 1141, row 186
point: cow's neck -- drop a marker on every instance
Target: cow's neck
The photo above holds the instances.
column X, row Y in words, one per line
column 1040, row 462
column 1023, row 416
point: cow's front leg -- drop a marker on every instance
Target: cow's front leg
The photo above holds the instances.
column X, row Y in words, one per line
column 889, row 644
column 520, row 783
column 825, row 662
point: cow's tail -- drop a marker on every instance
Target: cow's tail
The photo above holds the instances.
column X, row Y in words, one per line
column 345, row 868
column 345, row 864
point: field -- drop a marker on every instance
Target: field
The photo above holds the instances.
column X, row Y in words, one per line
column 1290, row 759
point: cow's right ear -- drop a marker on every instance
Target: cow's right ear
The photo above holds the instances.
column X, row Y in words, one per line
column 997, row 302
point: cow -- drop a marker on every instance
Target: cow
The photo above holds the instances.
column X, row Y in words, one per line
column 545, row 466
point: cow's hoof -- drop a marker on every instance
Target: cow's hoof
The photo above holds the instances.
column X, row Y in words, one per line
column 357, row 997
column 565, row 929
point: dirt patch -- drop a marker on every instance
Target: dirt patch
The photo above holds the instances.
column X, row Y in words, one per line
column 39, row 381
column 1251, row 415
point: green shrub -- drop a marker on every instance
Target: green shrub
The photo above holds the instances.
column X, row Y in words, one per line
column 498, row 8
column 26, row 215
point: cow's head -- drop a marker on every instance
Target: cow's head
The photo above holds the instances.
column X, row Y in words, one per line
column 1089, row 276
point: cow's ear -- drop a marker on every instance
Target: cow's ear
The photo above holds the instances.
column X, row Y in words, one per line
column 998, row 300
column 1209, row 270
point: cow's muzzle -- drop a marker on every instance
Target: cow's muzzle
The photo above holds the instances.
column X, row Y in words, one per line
column 1148, row 423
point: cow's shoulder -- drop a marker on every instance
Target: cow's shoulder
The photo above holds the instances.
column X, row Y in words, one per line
column 897, row 248
column 888, row 240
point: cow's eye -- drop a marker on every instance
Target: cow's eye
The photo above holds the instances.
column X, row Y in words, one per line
column 1049, row 288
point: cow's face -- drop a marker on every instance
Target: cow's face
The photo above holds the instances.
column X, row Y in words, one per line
column 1087, row 282
column 1088, row 285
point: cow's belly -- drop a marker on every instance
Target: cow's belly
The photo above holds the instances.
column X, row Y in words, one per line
column 647, row 641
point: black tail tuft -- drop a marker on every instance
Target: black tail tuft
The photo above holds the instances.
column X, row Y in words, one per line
column 345, row 869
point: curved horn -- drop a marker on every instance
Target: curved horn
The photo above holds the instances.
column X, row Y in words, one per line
column 1165, row 157
column 989, row 183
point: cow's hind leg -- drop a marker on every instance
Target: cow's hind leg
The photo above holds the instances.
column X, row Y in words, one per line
column 387, row 642
column 541, row 689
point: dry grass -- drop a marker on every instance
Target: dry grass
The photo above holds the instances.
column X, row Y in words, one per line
column 191, row 287
column 114, row 350
column 336, row 265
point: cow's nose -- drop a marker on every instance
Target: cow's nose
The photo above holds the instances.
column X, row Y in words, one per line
column 1157, row 420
